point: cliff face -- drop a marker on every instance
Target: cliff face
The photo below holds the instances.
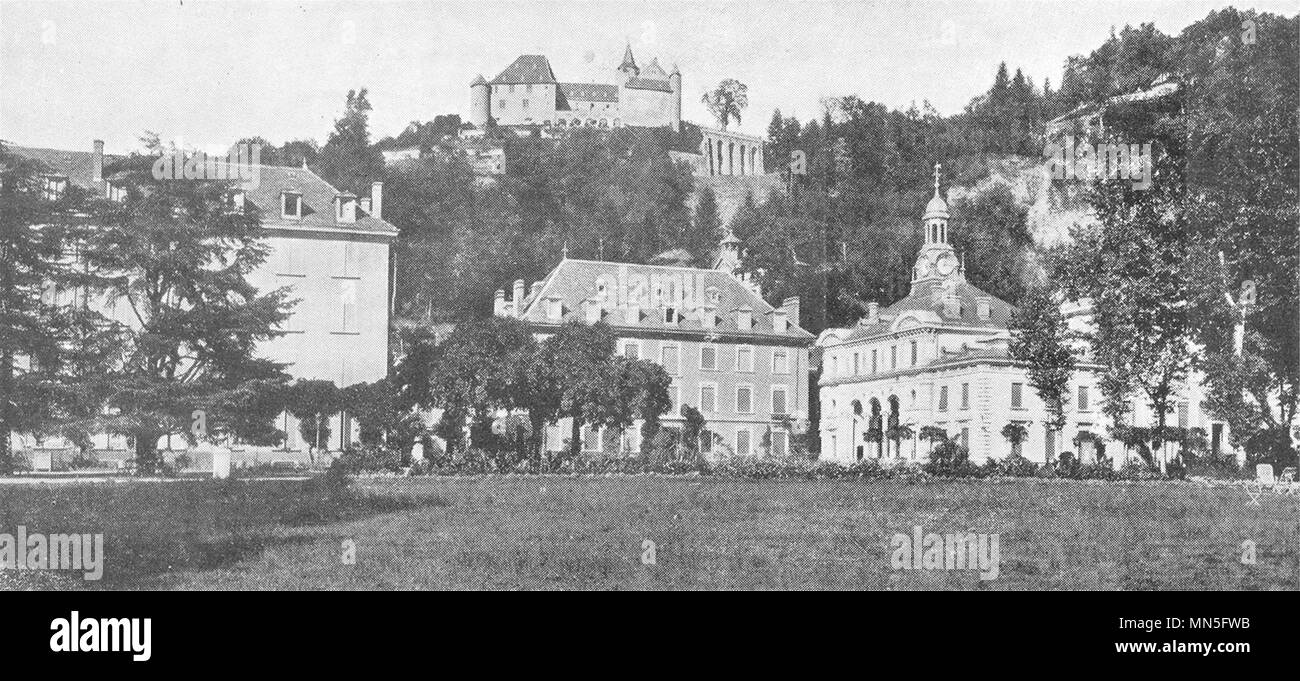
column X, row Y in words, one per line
column 1054, row 205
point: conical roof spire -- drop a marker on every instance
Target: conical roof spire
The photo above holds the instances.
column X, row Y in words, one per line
column 628, row 61
column 937, row 208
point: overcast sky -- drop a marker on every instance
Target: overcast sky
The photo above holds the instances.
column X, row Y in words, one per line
column 208, row 73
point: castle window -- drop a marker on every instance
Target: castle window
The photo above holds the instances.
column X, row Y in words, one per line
column 943, row 398
column 502, row 105
column 1017, row 395
column 744, row 399
column 525, row 104
column 708, row 357
column 512, row 87
column 913, row 353
column 744, row 358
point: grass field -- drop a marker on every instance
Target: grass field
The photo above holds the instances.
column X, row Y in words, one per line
column 593, row 533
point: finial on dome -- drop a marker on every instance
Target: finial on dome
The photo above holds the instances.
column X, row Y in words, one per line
column 564, row 254
column 936, row 179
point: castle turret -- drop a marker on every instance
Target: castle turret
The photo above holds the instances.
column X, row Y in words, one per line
column 479, row 98
column 628, row 69
column 675, row 81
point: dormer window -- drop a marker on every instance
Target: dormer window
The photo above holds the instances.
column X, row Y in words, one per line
column 234, row 200
column 744, row 319
column 670, row 315
column 291, row 205
column 714, row 294
column 345, row 208
column 554, row 309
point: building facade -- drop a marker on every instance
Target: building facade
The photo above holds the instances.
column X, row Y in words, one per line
column 740, row 361
column 939, row 357
column 527, row 93
column 331, row 249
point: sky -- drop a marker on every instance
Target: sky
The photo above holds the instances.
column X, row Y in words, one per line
column 207, row 73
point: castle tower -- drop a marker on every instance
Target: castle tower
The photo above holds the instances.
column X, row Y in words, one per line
column 479, row 108
column 937, row 259
column 628, row 69
column 675, row 80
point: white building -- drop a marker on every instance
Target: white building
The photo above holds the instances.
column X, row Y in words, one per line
column 939, row 357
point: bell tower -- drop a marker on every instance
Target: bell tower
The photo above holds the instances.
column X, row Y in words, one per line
column 937, row 259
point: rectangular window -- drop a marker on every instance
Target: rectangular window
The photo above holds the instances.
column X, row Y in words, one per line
column 873, row 361
column 668, row 358
column 744, row 358
column 1017, row 395
column 1182, row 415
column 857, row 363
column 779, row 445
column 778, row 400
column 913, row 353
column 708, row 357
column 632, row 349
column 943, row 398
column 965, row 438
column 742, row 441
column 525, row 104
column 1083, row 398
column 965, row 396
column 709, row 398
column 893, row 357
column 780, row 362
column 501, row 104
column 744, row 399
column 348, row 300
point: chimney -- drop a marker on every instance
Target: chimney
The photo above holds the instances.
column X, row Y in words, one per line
column 377, row 200
column 365, row 205
column 982, row 308
column 791, row 306
column 499, row 304
column 535, row 289
column 779, row 320
column 519, row 297
column 97, row 164
column 873, row 312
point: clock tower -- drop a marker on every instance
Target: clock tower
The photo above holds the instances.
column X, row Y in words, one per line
column 937, row 260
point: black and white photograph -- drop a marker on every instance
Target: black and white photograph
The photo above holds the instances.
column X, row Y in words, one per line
column 570, row 295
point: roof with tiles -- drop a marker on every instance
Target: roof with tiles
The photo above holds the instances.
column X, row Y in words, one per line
column 574, row 281
column 77, row 166
column 263, row 193
column 589, row 92
column 928, row 296
column 649, row 84
column 317, row 201
column 527, row 69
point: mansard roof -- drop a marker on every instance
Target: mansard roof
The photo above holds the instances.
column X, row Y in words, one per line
column 574, row 281
column 925, row 302
column 527, row 69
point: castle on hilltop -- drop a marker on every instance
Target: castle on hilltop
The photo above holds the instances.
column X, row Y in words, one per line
column 527, row 93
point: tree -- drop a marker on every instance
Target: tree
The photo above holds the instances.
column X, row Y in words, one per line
column 1015, row 433
column 38, row 329
column 933, row 434
column 476, row 370
column 1040, row 340
column 347, row 160
column 176, row 258
column 381, row 418
column 314, row 403
column 693, row 427
column 727, row 101
column 706, row 228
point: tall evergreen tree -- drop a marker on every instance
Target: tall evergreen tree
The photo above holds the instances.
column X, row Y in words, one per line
column 347, row 160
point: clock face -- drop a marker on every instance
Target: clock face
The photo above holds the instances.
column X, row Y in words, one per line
column 946, row 265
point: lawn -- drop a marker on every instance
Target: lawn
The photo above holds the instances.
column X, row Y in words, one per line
column 707, row 533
